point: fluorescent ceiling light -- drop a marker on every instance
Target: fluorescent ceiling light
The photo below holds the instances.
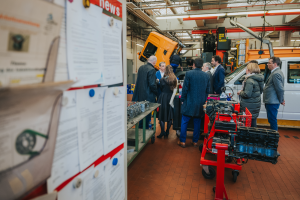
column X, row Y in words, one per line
column 286, row 47
column 297, row 40
column 140, row 45
column 189, row 37
column 279, row 11
column 126, row 40
column 233, row 48
column 224, row 14
column 191, row 43
column 173, row 17
column 209, row 15
column 245, row 13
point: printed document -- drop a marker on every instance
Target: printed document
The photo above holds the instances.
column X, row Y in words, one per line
column 112, row 45
column 90, row 125
column 84, row 49
column 115, row 177
column 74, row 190
column 96, row 186
column 114, row 108
column 66, row 158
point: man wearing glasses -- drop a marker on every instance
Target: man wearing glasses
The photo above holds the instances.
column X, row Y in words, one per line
column 273, row 94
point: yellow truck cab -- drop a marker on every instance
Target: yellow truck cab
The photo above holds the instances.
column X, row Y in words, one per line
column 160, row 46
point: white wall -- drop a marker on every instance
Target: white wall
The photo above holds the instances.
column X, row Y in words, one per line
column 132, row 50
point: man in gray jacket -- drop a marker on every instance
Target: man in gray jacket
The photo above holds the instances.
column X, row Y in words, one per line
column 273, row 94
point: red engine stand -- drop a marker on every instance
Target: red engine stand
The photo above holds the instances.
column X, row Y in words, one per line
column 220, row 187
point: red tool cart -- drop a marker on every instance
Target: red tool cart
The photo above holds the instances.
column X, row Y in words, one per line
column 221, row 126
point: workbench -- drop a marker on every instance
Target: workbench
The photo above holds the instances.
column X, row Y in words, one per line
column 141, row 136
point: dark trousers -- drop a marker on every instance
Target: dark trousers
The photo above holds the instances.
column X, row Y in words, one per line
column 272, row 111
column 254, row 122
column 184, row 123
column 148, row 118
column 174, row 67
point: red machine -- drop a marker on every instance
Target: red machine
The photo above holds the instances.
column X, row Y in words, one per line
column 229, row 120
column 220, row 187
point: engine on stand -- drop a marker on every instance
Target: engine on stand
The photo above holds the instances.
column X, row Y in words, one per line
column 230, row 136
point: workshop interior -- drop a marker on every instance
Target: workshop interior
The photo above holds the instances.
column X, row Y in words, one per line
column 149, row 99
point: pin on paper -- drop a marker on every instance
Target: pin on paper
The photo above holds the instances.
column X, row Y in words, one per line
column 65, row 101
column 77, row 183
column 115, row 161
column 96, row 174
column 86, row 3
column 116, row 91
column 92, row 92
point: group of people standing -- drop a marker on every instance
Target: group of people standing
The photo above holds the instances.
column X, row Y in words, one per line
column 201, row 81
column 273, row 91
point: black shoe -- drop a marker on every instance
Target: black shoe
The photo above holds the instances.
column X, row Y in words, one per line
column 161, row 135
column 167, row 134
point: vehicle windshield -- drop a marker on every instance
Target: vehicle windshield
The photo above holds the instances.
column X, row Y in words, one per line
column 233, row 74
column 149, row 50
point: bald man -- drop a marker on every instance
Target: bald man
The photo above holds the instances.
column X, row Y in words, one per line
column 145, row 87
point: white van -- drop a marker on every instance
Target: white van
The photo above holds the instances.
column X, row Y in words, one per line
column 290, row 67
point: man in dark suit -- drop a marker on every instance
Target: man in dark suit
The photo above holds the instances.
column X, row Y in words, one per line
column 145, row 87
column 206, row 68
column 219, row 75
column 273, row 94
column 194, row 94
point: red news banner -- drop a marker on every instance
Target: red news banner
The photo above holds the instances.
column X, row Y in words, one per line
column 112, row 6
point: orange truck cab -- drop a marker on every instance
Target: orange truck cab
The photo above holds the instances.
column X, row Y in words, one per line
column 160, row 46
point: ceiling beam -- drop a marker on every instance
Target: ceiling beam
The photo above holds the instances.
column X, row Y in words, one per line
column 190, row 35
column 168, row 2
column 200, row 4
column 255, row 29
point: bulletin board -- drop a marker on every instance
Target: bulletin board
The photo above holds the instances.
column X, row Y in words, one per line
column 66, row 68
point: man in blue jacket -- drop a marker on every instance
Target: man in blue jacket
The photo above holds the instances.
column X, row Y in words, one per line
column 219, row 74
column 194, row 94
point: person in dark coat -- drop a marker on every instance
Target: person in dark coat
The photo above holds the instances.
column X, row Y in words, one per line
column 219, row 74
column 194, row 94
column 190, row 63
column 175, row 61
column 206, row 68
column 159, row 74
column 145, row 87
column 251, row 91
column 167, row 84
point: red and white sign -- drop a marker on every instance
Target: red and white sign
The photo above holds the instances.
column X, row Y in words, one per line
column 112, row 6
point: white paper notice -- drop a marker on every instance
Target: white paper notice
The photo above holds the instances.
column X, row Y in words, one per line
column 95, row 185
column 74, row 190
column 84, row 49
column 115, row 177
column 66, row 158
column 114, row 130
column 112, row 55
column 90, row 125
